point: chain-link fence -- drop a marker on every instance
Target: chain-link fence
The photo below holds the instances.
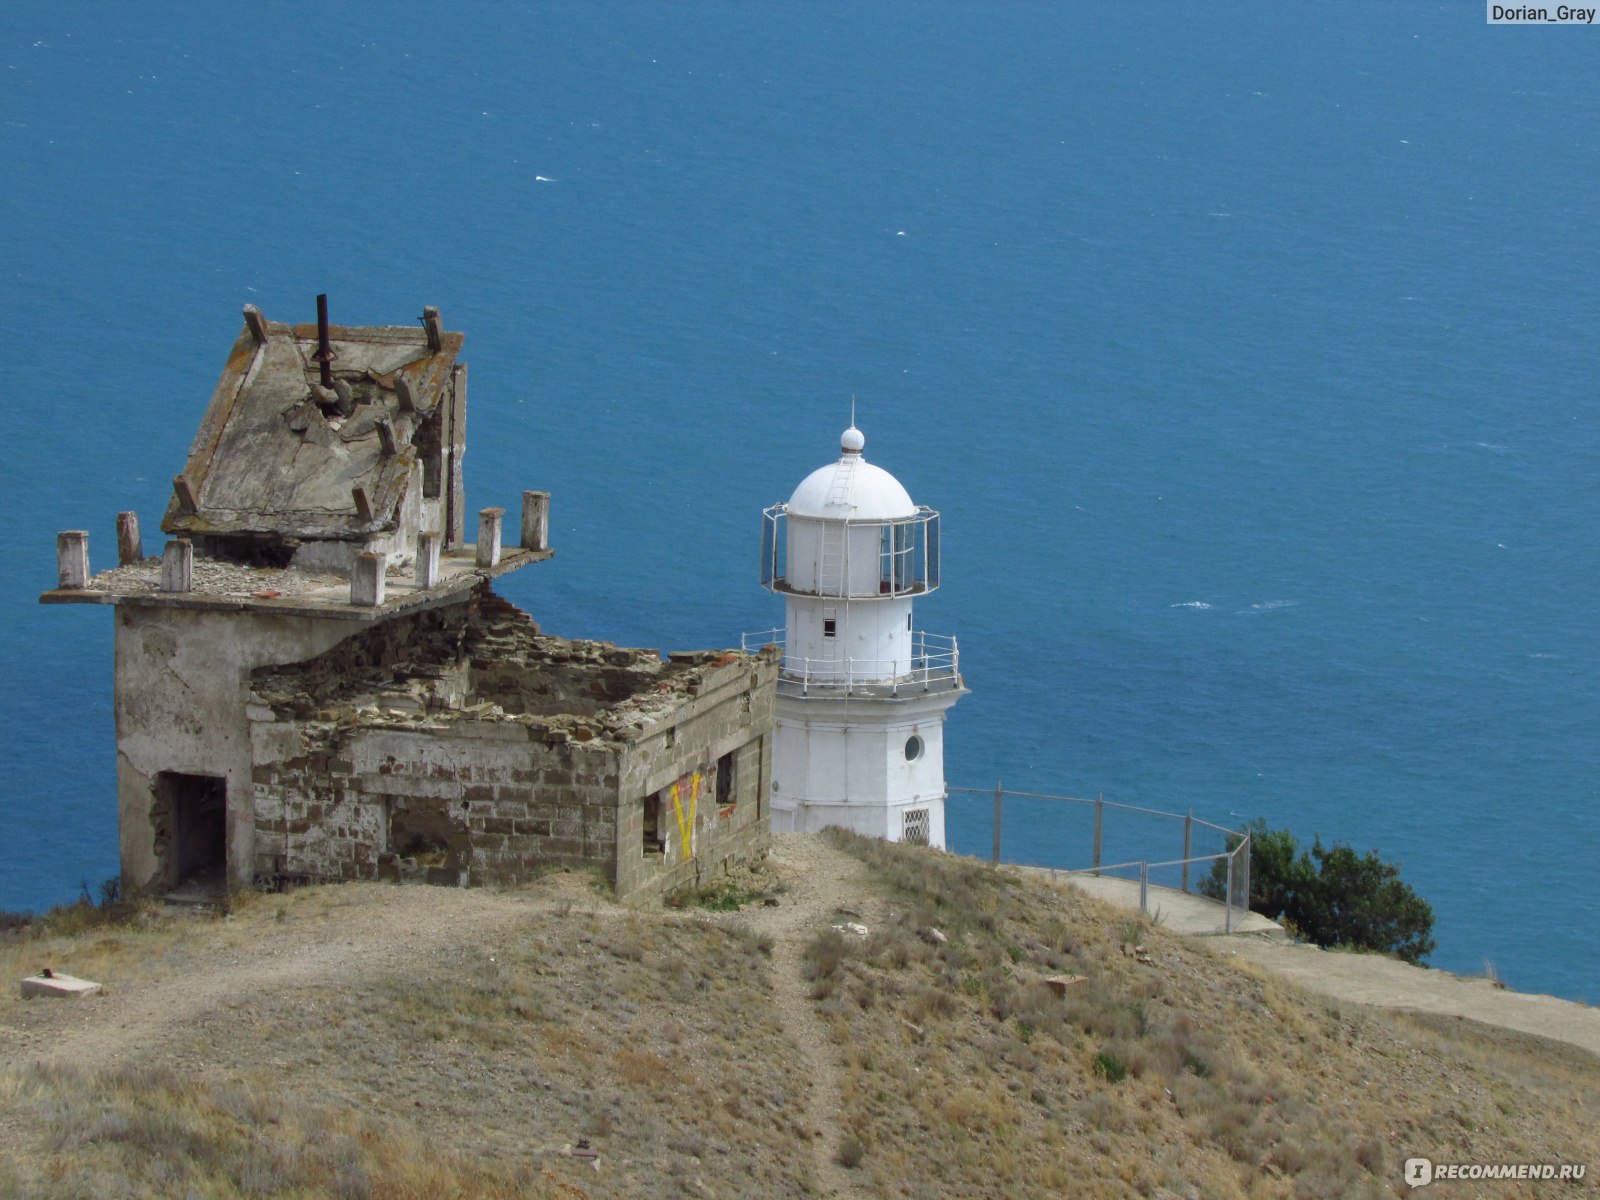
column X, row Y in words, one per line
column 1159, row 851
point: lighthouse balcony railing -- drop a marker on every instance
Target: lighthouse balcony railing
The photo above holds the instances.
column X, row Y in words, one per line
column 934, row 664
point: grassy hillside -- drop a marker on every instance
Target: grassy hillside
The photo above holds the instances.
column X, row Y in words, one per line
column 371, row 1041
column 1165, row 1072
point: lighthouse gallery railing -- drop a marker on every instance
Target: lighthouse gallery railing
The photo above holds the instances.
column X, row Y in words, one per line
column 935, row 660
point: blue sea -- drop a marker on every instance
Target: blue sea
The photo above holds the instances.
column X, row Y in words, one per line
column 1249, row 352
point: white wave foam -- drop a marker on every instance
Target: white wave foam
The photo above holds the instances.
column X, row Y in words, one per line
column 1190, row 604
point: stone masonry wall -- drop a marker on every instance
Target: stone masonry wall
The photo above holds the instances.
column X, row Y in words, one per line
column 466, row 799
column 468, row 803
column 731, row 715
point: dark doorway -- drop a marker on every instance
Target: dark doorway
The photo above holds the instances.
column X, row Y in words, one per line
column 192, row 811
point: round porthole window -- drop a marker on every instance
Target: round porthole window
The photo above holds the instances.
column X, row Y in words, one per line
column 913, row 748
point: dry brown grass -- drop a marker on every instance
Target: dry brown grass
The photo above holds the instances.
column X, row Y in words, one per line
column 464, row 1066
column 462, row 1070
column 1184, row 1076
column 148, row 1131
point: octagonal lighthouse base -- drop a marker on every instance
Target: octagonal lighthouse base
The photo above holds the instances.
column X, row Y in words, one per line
column 872, row 764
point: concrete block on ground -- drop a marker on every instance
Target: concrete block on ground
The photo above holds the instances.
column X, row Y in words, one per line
column 50, row 983
column 1060, row 983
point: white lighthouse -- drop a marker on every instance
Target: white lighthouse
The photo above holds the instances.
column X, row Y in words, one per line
column 862, row 695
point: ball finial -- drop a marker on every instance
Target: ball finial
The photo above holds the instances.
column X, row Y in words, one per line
column 852, row 440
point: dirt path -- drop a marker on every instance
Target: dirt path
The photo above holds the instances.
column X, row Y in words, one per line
column 141, row 1017
column 820, row 880
column 1387, row 983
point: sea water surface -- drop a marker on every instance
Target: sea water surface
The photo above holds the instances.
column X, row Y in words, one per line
column 1248, row 351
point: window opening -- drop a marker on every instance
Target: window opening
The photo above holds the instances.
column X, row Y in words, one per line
column 654, row 842
column 914, row 826
column 726, row 797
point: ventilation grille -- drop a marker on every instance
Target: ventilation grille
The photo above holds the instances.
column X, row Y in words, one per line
column 914, row 827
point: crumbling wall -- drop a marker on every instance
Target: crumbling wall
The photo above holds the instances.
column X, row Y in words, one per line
column 724, row 727
column 466, row 748
column 180, row 698
column 468, row 802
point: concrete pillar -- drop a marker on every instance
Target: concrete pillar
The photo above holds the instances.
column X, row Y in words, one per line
column 427, row 559
column 535, row 520
column 177, row 566
column 366, row 580
column 72, row 558
column 489, row 522
column 129, row 547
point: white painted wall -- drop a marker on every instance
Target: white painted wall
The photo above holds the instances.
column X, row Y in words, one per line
column 872, row 638
column 839, row 762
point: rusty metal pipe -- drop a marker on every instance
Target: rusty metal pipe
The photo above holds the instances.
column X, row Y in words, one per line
column 324, row 354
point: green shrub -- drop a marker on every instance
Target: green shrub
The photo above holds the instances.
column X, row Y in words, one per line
column 1331, row 895
column 1110, row 1068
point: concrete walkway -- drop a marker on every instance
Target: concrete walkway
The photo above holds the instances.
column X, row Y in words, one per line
column 1179, row 912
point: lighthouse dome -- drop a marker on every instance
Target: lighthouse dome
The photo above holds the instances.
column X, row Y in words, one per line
column 851, row 488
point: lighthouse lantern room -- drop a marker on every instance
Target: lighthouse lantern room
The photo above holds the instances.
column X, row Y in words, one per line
column 862, row 695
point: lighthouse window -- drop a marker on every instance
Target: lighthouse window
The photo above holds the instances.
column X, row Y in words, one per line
column 895, row 559
column 913, row 748
column 829, row 627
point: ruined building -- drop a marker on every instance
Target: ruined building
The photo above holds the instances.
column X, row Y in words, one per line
column 315, row 679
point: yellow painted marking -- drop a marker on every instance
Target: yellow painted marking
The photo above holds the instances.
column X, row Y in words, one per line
column 690, row 784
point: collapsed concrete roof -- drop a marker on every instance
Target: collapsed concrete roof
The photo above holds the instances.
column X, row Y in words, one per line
column 279, row 455
column 486, row 660
column 326, row 467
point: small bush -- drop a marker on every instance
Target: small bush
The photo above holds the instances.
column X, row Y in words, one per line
column 1109, row 1067
column 822, row 963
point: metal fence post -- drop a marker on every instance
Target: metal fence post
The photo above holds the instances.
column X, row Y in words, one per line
column 1227, row 908
column 1188, row 838
column 1245, row 850
column 1099, row 825
column 994, row 853
column 1144, row 888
